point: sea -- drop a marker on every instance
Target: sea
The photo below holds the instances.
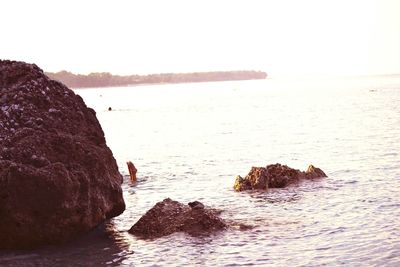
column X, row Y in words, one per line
column 189, row 141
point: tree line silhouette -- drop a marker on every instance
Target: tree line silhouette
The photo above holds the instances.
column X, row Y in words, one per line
column 105, row 79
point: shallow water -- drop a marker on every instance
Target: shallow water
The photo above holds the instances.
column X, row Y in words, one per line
column 189, row 141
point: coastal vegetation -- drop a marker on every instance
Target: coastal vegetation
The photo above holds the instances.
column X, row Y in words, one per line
column 105, row 79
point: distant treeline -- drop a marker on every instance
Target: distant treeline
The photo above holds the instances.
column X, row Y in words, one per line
column 105, row 79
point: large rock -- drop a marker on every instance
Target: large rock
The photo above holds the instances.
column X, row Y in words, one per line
column 274, row 176
column 58, row 178
column 170, row 216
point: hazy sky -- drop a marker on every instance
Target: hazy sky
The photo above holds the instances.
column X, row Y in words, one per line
column 279, row 37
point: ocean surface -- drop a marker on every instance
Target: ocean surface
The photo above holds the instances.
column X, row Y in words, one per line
column 189, row 141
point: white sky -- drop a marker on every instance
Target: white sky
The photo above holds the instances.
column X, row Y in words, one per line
column 279, row 37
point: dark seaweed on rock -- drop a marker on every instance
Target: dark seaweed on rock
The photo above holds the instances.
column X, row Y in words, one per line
column 58, row 178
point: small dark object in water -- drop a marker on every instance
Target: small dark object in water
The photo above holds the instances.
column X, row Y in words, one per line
column 109, row 109
column 196, row 205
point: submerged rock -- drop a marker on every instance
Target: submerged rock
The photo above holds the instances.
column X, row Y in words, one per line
column 274, row 176
column 58, row 178
column 170, row 216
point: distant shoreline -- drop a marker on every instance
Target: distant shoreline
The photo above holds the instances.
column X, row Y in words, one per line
column 105, row 79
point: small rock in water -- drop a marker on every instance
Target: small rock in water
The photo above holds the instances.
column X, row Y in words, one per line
column 132, row 171
column 170, row 216
column 274, row 176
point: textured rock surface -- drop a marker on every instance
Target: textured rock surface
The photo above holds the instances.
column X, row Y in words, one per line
column 170, row 216
column 274, row 176
column 58, row 178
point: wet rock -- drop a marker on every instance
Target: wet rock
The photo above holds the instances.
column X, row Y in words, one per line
column 314, row 172
column 170, row 216
column 196, row 205
column 274, row 176
column 132, row 171
column 58, row 178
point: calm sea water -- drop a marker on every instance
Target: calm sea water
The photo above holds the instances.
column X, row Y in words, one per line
column 188, row 142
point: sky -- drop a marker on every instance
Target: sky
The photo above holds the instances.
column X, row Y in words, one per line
column 280, row 37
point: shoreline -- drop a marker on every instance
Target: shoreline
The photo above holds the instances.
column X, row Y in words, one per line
column 162, row 83
column 105, row 79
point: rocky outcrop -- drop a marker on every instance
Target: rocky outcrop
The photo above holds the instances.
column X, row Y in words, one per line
column 170, row 216
column 274, row 176
column 58, row 178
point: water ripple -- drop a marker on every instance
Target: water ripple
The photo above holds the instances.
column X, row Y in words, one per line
column 191, row 145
